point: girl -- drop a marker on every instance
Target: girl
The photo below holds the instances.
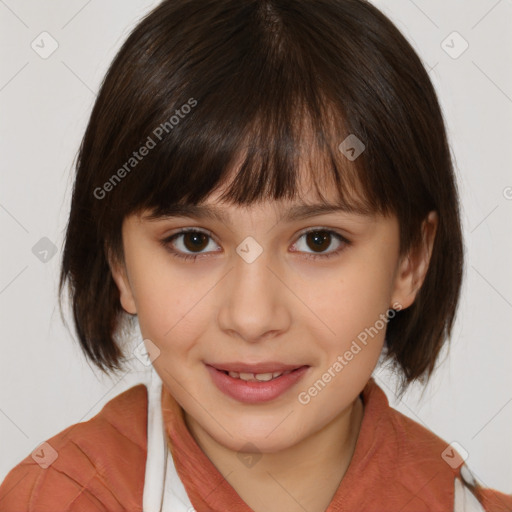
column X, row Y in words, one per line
column 265, row 187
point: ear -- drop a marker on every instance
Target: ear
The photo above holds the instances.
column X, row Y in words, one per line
column 414, row 265
column 120, row 276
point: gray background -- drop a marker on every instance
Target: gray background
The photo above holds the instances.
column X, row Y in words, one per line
column 45, row 383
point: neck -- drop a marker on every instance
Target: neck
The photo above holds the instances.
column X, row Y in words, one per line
column 289, row 479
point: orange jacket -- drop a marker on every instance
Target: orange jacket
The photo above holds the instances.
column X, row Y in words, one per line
column 100, row 464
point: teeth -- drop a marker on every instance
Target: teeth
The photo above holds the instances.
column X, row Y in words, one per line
column 257, row 377
column 263, row 377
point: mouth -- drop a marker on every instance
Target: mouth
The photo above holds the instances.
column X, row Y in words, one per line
column 265, row 382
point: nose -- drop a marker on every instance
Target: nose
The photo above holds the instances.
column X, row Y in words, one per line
column 254, row 303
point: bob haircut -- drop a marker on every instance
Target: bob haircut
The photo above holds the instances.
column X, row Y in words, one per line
column 200, row 85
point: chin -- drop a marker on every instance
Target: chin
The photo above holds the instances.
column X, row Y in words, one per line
column 251, row 441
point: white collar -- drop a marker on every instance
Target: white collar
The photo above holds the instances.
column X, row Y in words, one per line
column 163, row 488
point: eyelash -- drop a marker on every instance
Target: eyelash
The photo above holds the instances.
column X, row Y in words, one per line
column 183, row 256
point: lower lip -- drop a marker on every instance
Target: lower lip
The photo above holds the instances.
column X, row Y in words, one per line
column 255, row 392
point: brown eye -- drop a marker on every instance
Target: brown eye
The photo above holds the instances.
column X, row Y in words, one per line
column 319, row 241
column 315, row 243
column 195, row 240
column 188, row 244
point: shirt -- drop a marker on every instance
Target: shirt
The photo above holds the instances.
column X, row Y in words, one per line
column 138, row 448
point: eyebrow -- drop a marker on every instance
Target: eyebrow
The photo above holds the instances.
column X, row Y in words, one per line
column 296, row 212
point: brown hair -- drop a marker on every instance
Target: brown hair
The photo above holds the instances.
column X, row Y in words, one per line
column 199, row 83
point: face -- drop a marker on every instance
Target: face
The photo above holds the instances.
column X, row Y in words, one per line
column 307, row 293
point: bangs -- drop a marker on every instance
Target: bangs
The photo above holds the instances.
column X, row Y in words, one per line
column 281, row 155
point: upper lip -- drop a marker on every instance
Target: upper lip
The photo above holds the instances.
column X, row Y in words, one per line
column 266, row 367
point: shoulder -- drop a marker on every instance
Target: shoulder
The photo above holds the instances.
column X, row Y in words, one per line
column 415, row 467
column 427, row 457
column 94, row 465
column 407, row 443
column 428, row 469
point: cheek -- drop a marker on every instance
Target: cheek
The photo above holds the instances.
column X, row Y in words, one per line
column 351, row 299
column 170, row 305
column 349, row 330
column 349, row 326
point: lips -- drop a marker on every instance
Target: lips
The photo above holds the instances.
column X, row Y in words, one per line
column 243, row 387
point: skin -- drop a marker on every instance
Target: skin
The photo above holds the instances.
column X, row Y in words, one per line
column 281, row 307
